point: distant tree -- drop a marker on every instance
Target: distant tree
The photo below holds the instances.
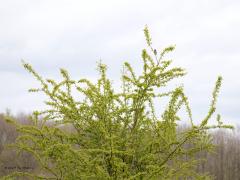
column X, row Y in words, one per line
column 224, row 163
column 10, row 160
column 116, row 135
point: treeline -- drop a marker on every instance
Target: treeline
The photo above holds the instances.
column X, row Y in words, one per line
column 223, row 163
column 10, row 159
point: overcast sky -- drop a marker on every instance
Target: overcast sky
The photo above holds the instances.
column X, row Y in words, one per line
column 75, row 34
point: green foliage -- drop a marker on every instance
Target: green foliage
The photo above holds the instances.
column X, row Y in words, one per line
column 116, row 135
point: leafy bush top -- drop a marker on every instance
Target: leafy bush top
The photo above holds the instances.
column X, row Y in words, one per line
column 116, row 135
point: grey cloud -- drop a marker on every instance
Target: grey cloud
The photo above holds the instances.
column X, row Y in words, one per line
column 76, row 34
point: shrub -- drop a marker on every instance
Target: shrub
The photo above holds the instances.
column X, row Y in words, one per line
column 117, row 135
